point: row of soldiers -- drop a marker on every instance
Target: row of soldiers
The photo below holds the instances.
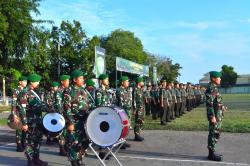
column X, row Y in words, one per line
column 74, row 102
column 170, row 100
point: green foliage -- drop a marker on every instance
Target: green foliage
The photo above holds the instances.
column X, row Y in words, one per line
column 229, row 76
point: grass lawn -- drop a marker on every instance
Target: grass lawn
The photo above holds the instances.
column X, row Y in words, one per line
column 236, row 119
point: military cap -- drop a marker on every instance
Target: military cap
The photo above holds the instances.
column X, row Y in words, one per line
column 77, row 73
column 215, row 74
column 90, row 82
column 103, row 76
column 54, row 84
column 124, row 78
column 34, row 78
column 139, row 79
column 23, row 78
column 64, row 77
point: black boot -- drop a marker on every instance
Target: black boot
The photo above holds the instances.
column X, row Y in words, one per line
column 127, row 145
column 214, row 157
column 138, row 138
column 19, row 147
column 31, row 163
column 62, row 151
column 74, row 163
column 39, row 162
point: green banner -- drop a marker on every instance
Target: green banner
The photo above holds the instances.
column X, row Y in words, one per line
column 100, row 65
column 131, row 67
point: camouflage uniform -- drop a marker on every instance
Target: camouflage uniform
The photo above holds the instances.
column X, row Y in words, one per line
column 77, row 104
column 15, row 110
column 163, row 112
column 103, row 97
column 124, row 100
column 138, row 104
column 31, row 115
column 214, row 106
column 167, row 98
column 178, row 102
column 184, row 100
column 174, row 102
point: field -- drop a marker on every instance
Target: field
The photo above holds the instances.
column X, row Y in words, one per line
column 236, row 119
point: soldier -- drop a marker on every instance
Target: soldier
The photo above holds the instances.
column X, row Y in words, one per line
column 50, row 100
column 189, row 96
column 154, row 101
column 103, row 98
column 215, row 109
column 148, row 99
column 183, row 98
column 124, row 100
column 59, row 109
column 138, row 103
column 31, row 117
column 77, row 104
column 171, row 101
column 90, row 86
column 162, row 94
column 174, row 100
column 178, row 100
column 15, row 111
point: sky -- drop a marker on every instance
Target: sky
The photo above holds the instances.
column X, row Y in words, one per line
column 200, row 35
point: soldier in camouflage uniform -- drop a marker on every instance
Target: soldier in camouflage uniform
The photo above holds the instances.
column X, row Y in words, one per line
column 124, row 100
column 50, row 100
column 215, row 109
column 31, row 117
column 103, row 98
column 58, row 105
column 15, row 109
column 174, row 100
column 189, row 97
column 77, row 104
column 90, row 86
column 138, row 104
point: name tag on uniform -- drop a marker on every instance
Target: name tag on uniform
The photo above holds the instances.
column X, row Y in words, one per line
column 23, row 105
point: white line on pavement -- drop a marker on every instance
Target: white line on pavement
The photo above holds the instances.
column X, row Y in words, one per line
column 6, row 145
column 198, row 161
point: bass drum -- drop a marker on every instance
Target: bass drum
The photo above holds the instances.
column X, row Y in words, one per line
column 105, row 126
column 53, row 124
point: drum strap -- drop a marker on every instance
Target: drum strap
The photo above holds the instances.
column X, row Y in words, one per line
column 36, row 95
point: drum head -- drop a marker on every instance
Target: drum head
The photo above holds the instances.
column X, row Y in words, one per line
column 53, row 122
column 104, row 126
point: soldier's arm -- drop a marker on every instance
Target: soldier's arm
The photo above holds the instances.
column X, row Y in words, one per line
column 58, row 101
column 67, row 108
column 23, row 103
column 210, row 105
column 98, row 100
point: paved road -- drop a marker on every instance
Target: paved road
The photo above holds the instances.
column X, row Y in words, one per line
column 160, row 148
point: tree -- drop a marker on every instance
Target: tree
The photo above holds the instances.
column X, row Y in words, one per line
column 229, row 76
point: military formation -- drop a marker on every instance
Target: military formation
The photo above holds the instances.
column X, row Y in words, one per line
column 74, row 98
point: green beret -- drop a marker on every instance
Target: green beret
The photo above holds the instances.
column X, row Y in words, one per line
column 90, row 82
column 76, row 74
column 54, row 84
column 103, row 76
column 215, row 74
column 64, row 77
column 139, row 79
column 34, row 78
column 124, row 78
column 23, row 78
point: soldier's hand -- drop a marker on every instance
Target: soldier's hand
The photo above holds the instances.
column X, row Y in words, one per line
column 224, row 108
column 15, row 119
column 213, row 120
column 71, row 127
column 25, row 128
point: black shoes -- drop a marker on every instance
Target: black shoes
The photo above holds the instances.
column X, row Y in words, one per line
column 214, row 157
column 163, row 123
column 103, row 154
column 138, row 138
column 19, row 148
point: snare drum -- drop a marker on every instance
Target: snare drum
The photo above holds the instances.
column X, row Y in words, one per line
column 105, row 126
column 53, row 124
